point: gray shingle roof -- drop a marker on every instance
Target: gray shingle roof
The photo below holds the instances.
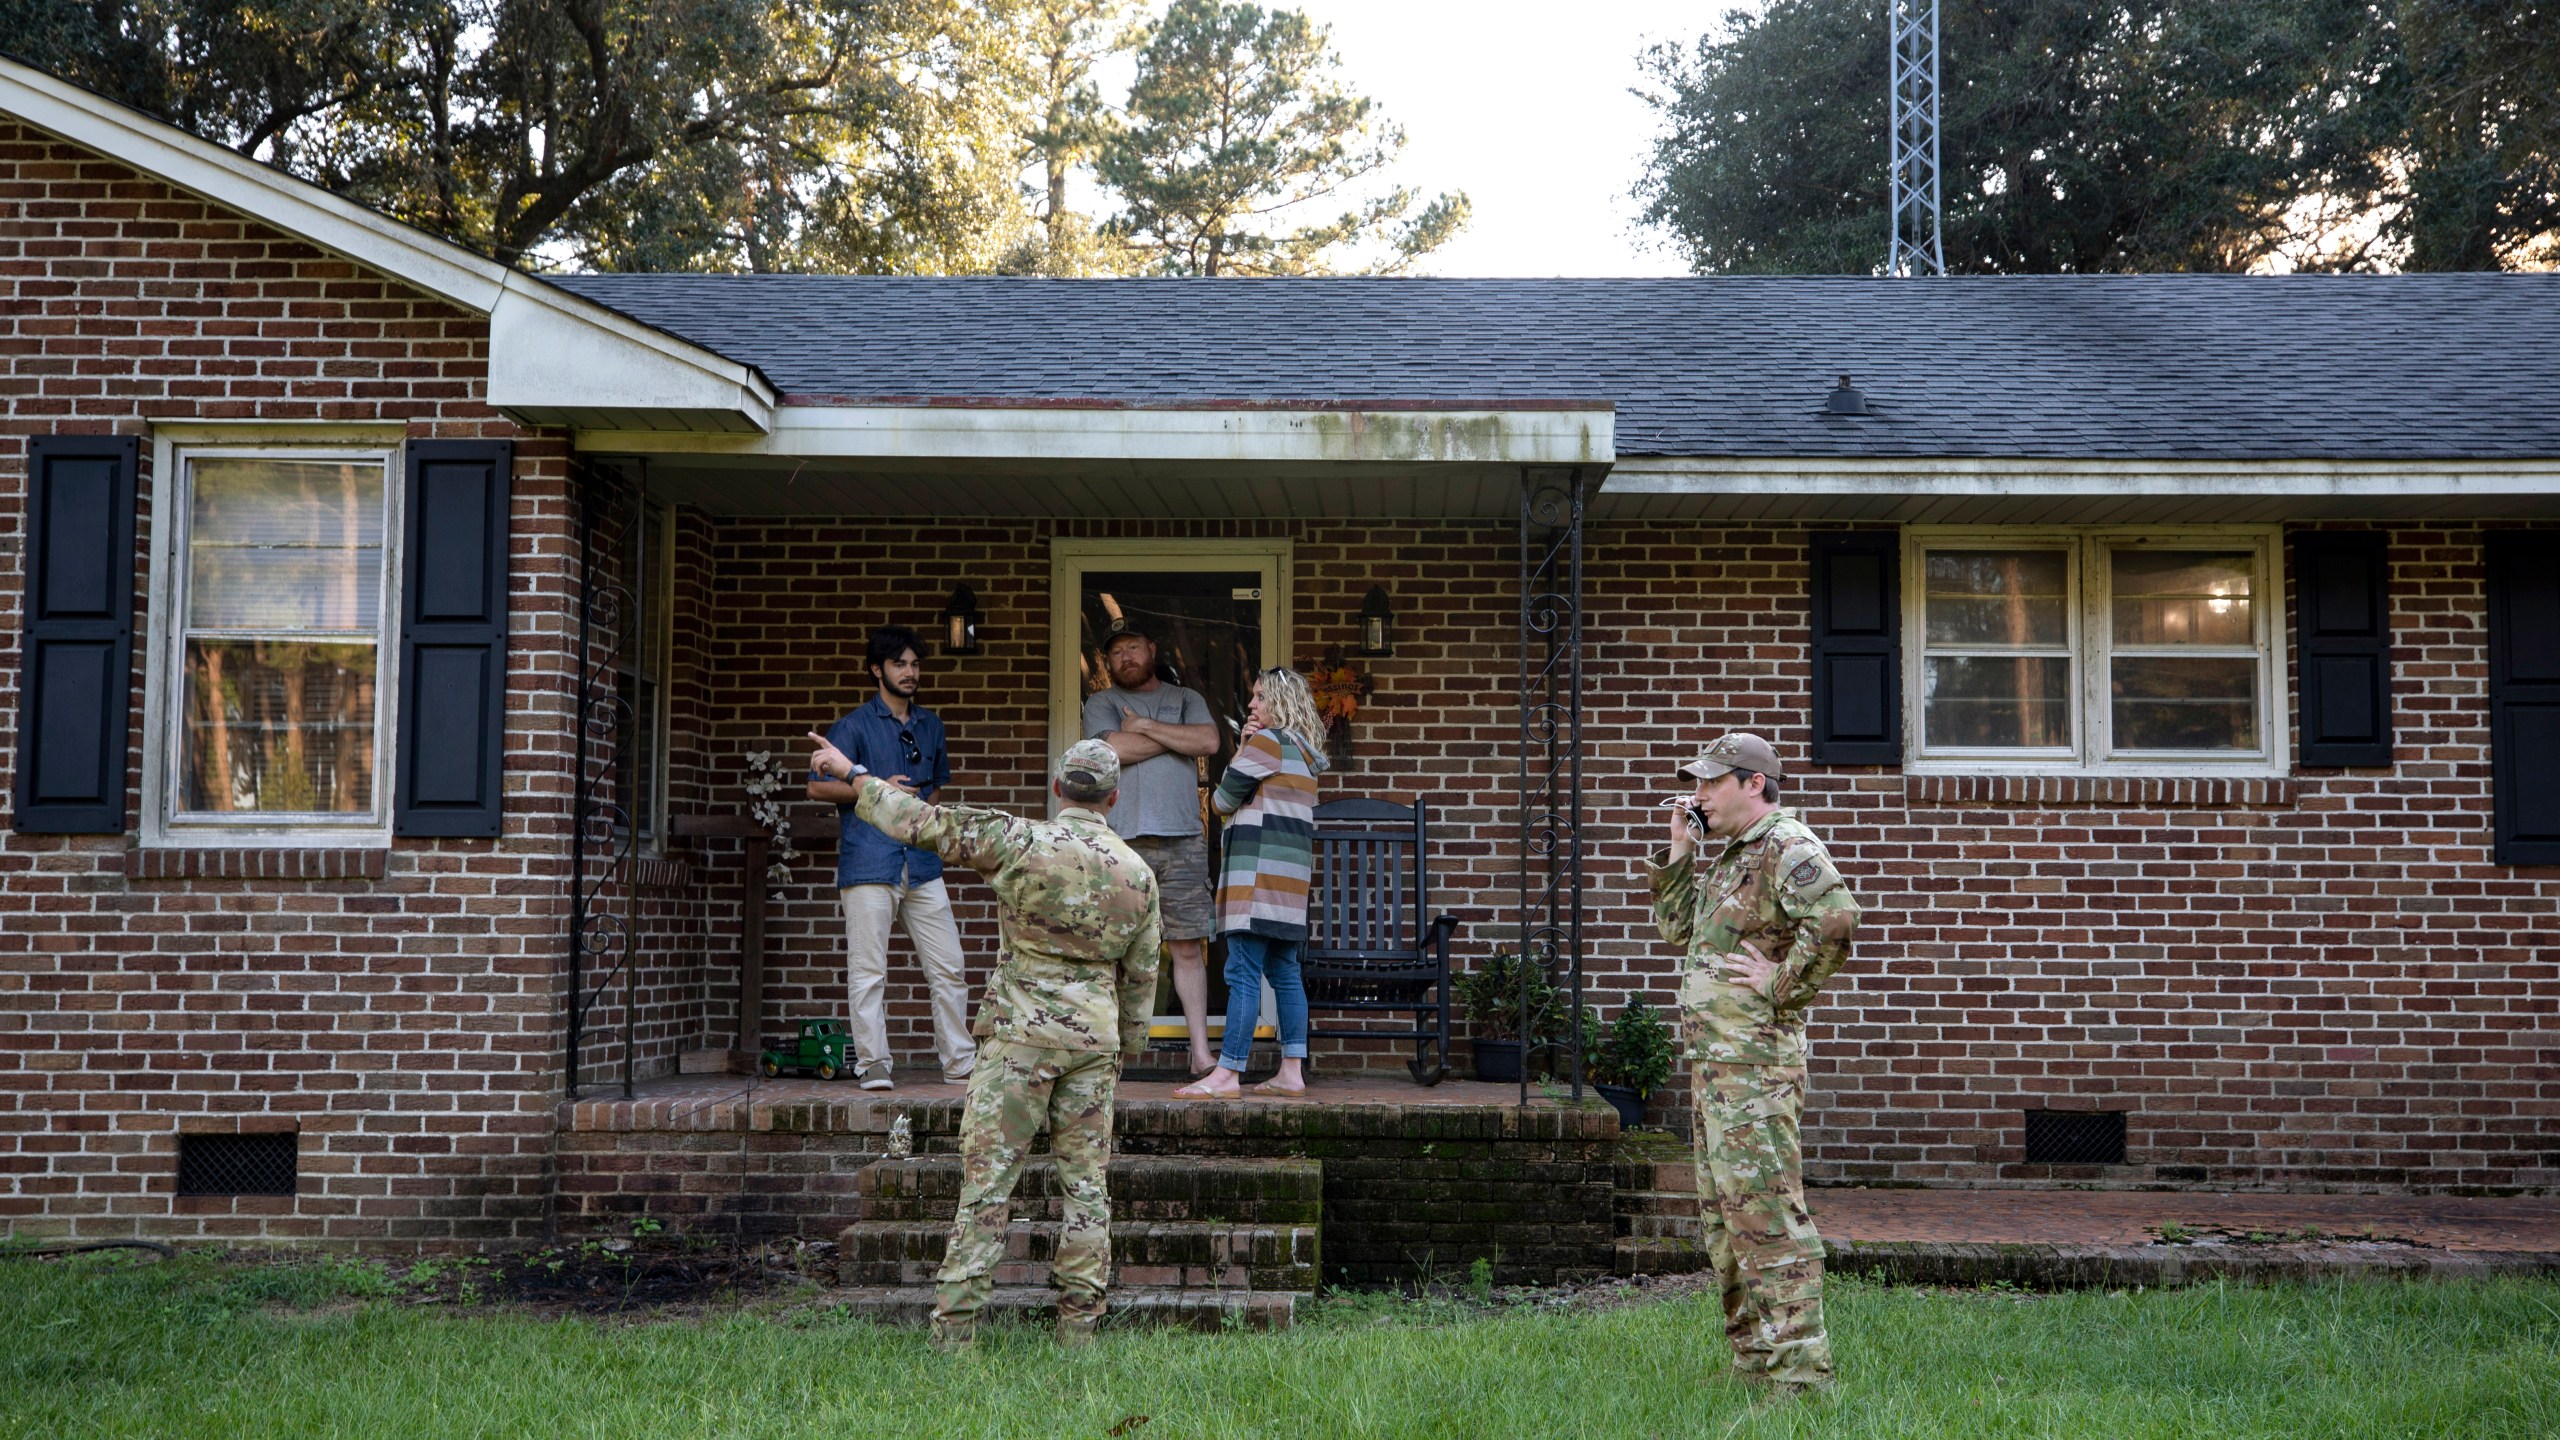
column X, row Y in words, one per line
column 2165, row 366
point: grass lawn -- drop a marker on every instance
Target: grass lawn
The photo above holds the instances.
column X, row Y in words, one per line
column 116, row 1345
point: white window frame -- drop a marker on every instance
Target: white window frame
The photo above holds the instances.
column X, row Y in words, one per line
column 2092, row 651
column 163, row 749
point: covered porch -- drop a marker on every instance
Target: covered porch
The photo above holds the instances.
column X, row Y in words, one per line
column 729, row 583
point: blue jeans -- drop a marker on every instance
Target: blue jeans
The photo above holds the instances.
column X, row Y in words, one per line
column 1250, row 958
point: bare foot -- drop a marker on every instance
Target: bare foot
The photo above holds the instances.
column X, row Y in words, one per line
column 1202, row 1062
column 1218, row 1084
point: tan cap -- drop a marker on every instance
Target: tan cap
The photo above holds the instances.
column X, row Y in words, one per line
column 1089, row 770
column 1740, row 750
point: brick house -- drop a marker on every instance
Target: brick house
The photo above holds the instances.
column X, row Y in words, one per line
column 2171, row 662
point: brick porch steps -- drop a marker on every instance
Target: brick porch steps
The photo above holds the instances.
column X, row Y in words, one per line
column 1191, row 1254
column 1143, row 1187
column 1153, row 1307
column 1195, row 1241
column 1654, row 1212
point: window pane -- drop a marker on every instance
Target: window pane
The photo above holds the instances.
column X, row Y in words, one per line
column 2182, row 597
column 2166, row 703
column 1985, row 702
column 284, row 545
column 278, row 726
column 1993, row 597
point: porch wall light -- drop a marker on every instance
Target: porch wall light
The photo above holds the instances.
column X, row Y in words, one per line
column 960, row 622
column 1377, row 623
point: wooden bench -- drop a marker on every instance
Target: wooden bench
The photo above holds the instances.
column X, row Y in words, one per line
column 1373, row 945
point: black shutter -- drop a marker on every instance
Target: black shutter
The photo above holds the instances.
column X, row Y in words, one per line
column 2524, row 694
column 453, row 637
column 2343, row 645
column 1857, row 648
column 75, row 674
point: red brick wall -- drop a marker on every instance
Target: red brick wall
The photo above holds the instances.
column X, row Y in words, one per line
column 2320, row 980
column 407, row 1025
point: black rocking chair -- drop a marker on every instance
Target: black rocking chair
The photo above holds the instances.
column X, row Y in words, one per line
column 1369, row 946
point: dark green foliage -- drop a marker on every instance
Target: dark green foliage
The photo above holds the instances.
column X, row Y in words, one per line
column 2158, row 136
column 1238, row 122
column 633, row 134
column 1636, row 1050
column 1492, row 997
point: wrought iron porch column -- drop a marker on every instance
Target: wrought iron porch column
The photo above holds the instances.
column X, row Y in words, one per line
column 603, row 765
column 1551, row 504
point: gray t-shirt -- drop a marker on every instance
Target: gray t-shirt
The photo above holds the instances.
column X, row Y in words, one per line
column 1159, row 796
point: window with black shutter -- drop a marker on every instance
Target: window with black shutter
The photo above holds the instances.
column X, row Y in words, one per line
column 453, row 638
column 2343, row 646
column 1857, row 648
column 75, row 689
column 2089, row 649
column 2524, row 694
column 272, row 643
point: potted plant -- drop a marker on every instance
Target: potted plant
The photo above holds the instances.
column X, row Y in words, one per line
column 1631, row 1058
column 1491, row 996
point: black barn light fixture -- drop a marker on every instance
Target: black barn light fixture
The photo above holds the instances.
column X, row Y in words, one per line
column 960, row 622
column 1377, row 623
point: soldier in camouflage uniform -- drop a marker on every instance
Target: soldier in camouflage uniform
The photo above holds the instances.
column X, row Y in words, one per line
column 1764, row 922
column 1073, row 990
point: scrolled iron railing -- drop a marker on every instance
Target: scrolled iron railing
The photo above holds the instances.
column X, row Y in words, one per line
column 1550, row 877
column 602, row 836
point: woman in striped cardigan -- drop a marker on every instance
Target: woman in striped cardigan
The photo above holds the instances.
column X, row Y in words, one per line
column 1268, row 795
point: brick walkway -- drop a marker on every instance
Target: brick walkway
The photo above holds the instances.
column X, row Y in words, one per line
column 2133, row 1217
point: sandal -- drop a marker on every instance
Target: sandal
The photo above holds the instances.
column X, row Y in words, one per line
column 1201, row 1090
column 1274, row 1087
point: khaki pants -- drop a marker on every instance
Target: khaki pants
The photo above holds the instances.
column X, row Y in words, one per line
column 925, row 910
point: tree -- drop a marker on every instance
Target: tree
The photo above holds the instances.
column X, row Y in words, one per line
column 2479, row 119
column 1238, row 123
column 1069, row 123
column 2156, row 135
column 840, row 134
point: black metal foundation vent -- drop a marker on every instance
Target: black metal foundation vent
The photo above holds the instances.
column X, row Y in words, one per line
column 267, row 1164
column 2075, row 1137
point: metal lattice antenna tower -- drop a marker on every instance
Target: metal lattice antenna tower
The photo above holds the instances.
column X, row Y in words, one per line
column 1915, row 140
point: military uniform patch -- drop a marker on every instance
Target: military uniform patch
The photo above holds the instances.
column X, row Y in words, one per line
column 1805, row 873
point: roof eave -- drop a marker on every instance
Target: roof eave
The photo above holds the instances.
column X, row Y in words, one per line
column 554, row 356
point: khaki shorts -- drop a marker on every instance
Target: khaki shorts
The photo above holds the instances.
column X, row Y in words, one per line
column 1181, row 863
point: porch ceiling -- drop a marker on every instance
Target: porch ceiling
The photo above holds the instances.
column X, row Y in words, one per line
column 749, row 486
column 1232, row 459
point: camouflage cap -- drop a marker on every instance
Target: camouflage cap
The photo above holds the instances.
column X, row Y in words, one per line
column 1740, row 750
column 1089, row 770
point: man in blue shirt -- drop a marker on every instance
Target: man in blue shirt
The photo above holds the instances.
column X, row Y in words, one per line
column 883, row 882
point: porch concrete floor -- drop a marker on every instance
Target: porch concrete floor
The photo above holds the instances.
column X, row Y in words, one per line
column 676, row 1098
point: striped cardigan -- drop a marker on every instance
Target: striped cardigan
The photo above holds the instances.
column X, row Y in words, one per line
column 1268, row 795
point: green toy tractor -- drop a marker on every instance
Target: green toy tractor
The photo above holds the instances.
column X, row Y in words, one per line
column 821, row 1049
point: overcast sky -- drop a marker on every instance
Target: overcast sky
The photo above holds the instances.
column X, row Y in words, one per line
column 1525, row 107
